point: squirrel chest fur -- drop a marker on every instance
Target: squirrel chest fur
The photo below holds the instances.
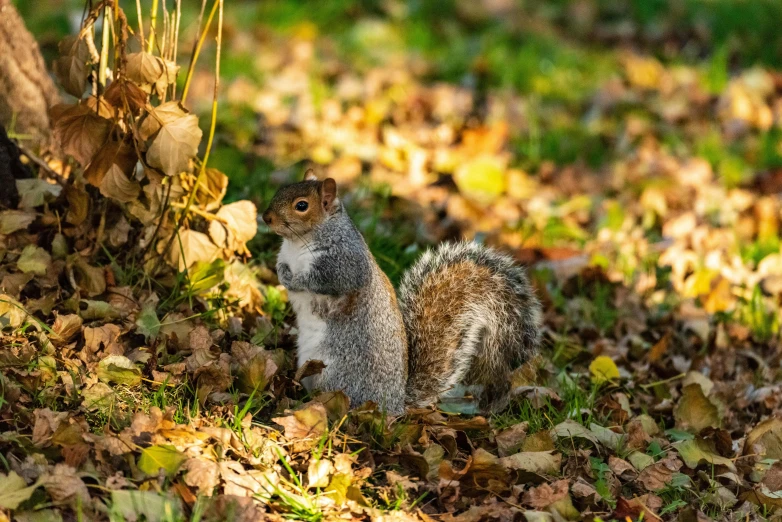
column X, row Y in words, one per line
column 466, row 314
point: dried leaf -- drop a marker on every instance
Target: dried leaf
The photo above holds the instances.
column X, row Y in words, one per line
column 204, row 475
column 190, row 248
column 34, row 260
column 658, row 475
column 546, row 494
column 543, row 462
column 14, row 220
column 36, row 192
column 176, row 138
column 116, row 185
column 80, row 131
column 695, row 411
column 71, row 67
column 144, row 69
column 238, row 225
column 14, row 490
column 309, row 422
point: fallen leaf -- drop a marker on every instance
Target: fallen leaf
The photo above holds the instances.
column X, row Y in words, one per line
column 308, row 422
column 603, row 369
column 695, row 451
column 165, row 457
column 695, row 411
column 190, row 248
column 35, row 192
column 119, row 370
column 14, row 220
column 546, row 494
column 543, row 462
column 34, row 260
column 238, row 225
column 133, row 505
column 14, row 490
column 202, row 474
column 658, row 475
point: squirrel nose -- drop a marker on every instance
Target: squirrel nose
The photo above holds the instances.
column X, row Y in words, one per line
column 267, row 217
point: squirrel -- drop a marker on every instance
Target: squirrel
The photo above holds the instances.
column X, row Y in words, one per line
column 465, row 313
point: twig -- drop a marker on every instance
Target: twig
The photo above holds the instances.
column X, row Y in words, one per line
column 42, row 164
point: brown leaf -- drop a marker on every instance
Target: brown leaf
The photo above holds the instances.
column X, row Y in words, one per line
column 190, row 248
column 64, row 485
column 511, row 440
column 657, row 476
column 765, row 439
column 78, row 204
column 80, row 131
column 176, row 138
column 116, row 152
column 308, row 422
column 695, row 411
column 122, row 92
column 202, row 474
column 144, row 69
column 88, row 278
column 116, row 185
column 238, row 225
column 71, row 67
column 105, row 336
column 546, row 494
column 65, row 328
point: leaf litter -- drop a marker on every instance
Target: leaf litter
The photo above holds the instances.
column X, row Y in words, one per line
column 134, row 387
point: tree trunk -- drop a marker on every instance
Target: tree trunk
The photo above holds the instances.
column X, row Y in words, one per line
column 27, row 92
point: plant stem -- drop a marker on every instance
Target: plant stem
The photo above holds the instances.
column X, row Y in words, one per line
column 104, row 47
column 140, row 23
column 152, row 27
column 197, row 50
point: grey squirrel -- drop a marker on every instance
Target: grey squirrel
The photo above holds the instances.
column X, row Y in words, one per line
column 465, row 314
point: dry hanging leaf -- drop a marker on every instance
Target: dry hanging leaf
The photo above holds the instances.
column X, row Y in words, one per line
column 79, row 130
column 122, row 92
column 116, row 152
column 144, row 69
column 71, row 67
column 176, row 138
column 116, row 185
column 238, row 227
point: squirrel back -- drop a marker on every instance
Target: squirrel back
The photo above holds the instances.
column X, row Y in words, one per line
column 471, row 316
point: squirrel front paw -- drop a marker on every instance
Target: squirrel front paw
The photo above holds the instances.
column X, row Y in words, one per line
column 285, row 275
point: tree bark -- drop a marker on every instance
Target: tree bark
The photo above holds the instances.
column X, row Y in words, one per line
column 27, row 92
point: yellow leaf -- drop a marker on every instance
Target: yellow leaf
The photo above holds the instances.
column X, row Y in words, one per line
column 603, row 369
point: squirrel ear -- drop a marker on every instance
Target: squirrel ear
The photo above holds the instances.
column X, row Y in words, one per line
column 310, row 175
column 328, row 193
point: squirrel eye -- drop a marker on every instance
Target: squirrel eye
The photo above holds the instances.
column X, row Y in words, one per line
column 302, row 206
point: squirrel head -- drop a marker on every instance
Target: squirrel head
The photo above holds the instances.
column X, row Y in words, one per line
column 298, row 208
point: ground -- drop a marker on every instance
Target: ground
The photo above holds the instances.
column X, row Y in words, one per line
column 630, row 155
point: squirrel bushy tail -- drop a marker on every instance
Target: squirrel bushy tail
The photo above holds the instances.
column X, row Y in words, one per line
column 471, row 316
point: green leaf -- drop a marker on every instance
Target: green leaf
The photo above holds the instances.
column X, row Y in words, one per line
column 695, row 451
column 148, row 323
column 154, row 458
column 34, row 260
column 120, row 370
column 35, row 192
column 14, row 490
column 132, row 505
